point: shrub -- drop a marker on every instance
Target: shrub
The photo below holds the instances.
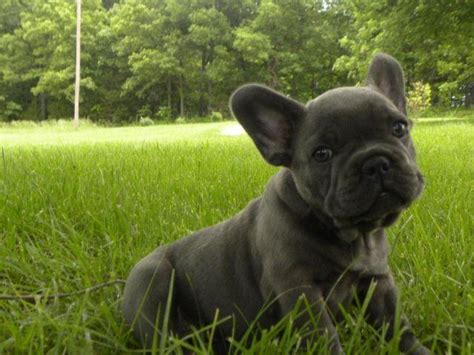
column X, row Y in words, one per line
column 144, row 111
column 419, row 98
column 146, row 121
column 9, row 110
column 163, row 113
column 216, row 116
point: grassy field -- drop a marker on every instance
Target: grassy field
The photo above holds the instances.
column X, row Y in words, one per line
column 78, row 208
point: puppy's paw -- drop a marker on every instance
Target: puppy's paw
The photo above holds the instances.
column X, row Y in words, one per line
column 336, row 350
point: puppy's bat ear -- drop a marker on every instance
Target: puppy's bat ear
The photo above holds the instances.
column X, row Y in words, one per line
column 269, row 118
column 386, row 76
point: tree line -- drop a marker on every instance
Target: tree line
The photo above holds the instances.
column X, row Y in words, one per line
column 183, row 58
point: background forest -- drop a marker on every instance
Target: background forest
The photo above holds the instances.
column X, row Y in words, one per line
column 165, row 59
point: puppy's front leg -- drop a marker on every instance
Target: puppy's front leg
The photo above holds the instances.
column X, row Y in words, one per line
column 382, row 308
column 314, row 296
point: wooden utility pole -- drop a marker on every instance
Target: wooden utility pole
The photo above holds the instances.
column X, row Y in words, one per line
column 78, row 65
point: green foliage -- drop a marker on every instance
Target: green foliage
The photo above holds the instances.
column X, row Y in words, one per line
column 216, row 116
column 9, row 110
column 186, row 55
column 146, row 121
column 429, row 37
column 419, row 98
column 189, row 55
column 163, row 114
column 38, row 55
column 144, row 111
column 254, row 47
column 82, row 207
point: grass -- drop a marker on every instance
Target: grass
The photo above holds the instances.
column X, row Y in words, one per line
column 79, row 208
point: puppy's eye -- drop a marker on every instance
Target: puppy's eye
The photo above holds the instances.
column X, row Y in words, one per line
column 399, row 129
column 322, row 154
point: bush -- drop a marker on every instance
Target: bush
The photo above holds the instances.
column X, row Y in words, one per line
column 163, row 114
column 144, row 111
column 216, row 116
column 10, row 110
column 146, row 121
column 419, row 98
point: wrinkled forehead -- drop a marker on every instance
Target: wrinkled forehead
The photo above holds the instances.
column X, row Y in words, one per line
column 350, row 108
column 350, row 101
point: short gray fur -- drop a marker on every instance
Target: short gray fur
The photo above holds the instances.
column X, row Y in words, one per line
column 317, row 230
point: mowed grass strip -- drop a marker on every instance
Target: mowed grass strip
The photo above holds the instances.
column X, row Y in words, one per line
column 79, row 208
column 64, row 134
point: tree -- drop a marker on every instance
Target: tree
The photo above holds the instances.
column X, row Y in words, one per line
column 171, row 46
column 13, row 93
column 429, row 37
column 185, row 57
column 209, row 36
column 78, row 64
column 292, row 46
column 147, row 42
column 40, row 53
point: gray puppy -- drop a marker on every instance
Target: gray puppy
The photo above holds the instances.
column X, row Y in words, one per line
column 318, row 230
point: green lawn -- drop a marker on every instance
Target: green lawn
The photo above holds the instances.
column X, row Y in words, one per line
column 79, row 208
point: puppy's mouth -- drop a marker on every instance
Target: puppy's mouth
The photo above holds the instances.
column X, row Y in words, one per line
column 386, row 204
column 382, row 212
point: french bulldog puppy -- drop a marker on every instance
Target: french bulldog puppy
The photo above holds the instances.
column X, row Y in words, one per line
column 318, row 230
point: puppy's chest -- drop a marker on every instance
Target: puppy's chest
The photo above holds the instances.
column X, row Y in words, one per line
column 369, row 256
column 341, row 284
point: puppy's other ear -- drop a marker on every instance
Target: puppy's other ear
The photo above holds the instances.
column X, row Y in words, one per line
column 386, row 76
column 270, row 119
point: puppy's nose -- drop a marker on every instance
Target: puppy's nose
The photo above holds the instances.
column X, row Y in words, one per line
column 376, row 166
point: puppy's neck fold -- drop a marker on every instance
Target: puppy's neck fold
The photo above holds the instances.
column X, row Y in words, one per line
column 284, row 187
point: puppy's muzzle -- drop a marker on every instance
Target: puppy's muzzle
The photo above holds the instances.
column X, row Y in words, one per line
column 377, row 180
